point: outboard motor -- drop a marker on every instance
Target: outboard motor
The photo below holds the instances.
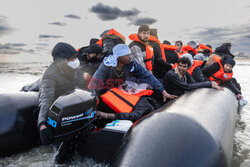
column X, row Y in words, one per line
column 71, row 113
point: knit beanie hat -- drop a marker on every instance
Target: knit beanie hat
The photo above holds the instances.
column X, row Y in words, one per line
column 230, row 61
column 63, row 51
column 94, row 48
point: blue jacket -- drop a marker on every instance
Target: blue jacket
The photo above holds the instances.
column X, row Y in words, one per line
column 133, row 72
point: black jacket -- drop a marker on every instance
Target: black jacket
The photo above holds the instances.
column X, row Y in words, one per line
column 209, row 70
column 171, row 56
column 174, row 85
column 144, row 106
column 56, row 81
column 197, row 75
column 160, row 67
column 89, row 66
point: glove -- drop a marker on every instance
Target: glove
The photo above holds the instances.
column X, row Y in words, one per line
column 46, row 136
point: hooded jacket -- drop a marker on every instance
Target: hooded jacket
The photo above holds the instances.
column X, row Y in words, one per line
column 222, row 51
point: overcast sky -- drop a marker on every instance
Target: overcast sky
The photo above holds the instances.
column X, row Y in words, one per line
column 34, row 26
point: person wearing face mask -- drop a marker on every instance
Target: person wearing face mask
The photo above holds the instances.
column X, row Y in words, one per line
column 177, row 81
column 57, row 80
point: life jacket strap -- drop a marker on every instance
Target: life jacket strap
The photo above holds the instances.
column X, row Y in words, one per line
column 131, row 105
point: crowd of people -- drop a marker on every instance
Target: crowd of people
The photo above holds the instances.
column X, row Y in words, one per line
column 133, row 80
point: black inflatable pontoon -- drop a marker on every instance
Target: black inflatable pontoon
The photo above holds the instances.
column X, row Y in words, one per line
column 197, row 129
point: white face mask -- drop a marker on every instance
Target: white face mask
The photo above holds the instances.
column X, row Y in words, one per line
column 74, row 64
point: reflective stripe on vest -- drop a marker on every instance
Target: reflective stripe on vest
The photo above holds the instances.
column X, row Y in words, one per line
column 110, row 32
column 120, row 102
column 149, row 52
column 196, row 63
column 152, row 38
column 220, row 76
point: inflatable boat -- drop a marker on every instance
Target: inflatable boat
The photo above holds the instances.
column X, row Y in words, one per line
column 196, row 129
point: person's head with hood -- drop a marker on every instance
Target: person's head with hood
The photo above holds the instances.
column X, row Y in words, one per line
column 228, row 45
column 228, row 63
column 121, row 56
column 144, row 33
column 63, row 52
column 183, row 65
column 192, row 44
column 93, row 52
column 222, row 51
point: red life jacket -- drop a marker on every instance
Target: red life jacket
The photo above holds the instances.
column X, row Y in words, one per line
column 111, row 32
column 220, row 76
column 201, row 46
column 196, row 63
column 152, row 38
column 149, row 52
column 121, row 102
column 187, row 48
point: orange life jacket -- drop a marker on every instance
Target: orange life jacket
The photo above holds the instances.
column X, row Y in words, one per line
column 149, row 52
column 152, row 38
column 175, row 65
column 196, row 63
column 220, row 76
column 111, row 32
column 120, row 102
column 179, row 53
column 187, row 48
column 201, row 46
column 169, row 47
